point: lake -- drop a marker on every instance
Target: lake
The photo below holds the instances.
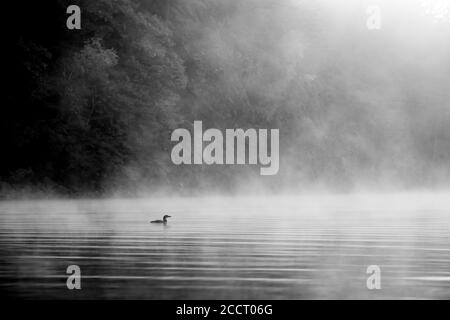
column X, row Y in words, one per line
column 305, row 247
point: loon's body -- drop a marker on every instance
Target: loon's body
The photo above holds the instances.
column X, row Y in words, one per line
column 164, row 220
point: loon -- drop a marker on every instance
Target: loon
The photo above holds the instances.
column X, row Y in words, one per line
column 164, row 220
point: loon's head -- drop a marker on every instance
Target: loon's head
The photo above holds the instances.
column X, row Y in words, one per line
column 166, row 216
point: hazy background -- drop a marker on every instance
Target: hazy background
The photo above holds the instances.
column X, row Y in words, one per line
column 302, row 247
column 91, row 111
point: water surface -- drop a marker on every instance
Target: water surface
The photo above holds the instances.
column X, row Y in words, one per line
column 228, row 248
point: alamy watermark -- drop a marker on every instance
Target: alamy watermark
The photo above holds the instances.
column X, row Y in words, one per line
column 374, row 18
column 374, row 280
column 210, row 148
column 74, row 278
column 74, row 20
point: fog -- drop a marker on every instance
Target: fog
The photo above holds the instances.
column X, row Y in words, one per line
column 364, row 149
column 307, row 247
column 359, row 110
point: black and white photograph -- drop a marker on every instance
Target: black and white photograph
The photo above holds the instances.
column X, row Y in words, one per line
column 241, row 151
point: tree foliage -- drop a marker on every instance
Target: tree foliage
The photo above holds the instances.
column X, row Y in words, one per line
column 91, row 110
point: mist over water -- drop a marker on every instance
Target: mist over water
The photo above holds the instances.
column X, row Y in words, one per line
column 240, row 248
column 364, row 160
column 357, row 109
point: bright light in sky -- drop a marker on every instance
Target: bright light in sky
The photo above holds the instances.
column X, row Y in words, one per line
column 438, row 9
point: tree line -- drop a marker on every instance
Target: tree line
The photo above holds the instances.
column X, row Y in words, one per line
column 90, row 111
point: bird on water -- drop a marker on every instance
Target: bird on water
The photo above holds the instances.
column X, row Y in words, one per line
column 164, row 220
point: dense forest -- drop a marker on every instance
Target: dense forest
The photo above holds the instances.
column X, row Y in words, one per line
column 91, row 111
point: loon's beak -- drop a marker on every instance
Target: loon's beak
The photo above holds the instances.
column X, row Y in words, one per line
column 169, row 216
